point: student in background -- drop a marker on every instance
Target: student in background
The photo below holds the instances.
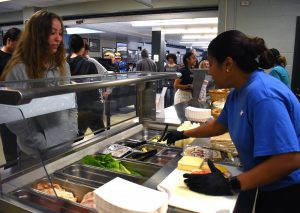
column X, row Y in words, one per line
column 194, row 51
column 90, row 106
column 204, row 65
column 100, row 68
column 146, row 64
column 40, row 54
column 9, row 140
column 10, row 40
column 279, row 71
column 171, row 65
column 184, row 84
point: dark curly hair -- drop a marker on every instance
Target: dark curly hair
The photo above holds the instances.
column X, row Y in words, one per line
column 248, row 53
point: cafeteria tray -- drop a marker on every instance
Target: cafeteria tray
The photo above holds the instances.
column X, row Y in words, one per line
column 47, row 203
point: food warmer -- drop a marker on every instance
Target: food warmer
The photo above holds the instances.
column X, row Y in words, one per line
column 130, row 119
column 133, row 118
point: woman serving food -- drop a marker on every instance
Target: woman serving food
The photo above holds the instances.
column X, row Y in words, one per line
column 263, row 118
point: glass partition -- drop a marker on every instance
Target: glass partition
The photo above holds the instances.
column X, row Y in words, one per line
column 41, row 119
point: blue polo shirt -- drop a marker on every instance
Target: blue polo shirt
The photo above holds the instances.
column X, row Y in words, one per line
column 282, row 74
column 263, row 119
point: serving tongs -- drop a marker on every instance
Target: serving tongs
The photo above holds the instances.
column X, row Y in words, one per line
column 164, row 133
column 140, row 143
column 48, row 176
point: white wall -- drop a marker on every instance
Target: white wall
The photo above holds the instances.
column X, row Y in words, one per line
column 273, row 20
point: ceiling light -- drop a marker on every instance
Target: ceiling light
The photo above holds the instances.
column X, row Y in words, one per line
column 195, row 42
column 171, row 22
column 4, row 0
column 190, row 30
column 79, row 30
column 205, row 36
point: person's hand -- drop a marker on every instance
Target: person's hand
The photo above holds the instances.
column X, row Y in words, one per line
column 173, row 136
column 190, row 86
column 105, row 95
column 213, row 183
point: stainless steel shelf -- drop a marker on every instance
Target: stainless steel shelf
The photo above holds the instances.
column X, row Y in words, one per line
column 17, row 93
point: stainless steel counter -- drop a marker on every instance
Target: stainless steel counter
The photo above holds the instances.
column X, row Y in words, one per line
column 19, row 180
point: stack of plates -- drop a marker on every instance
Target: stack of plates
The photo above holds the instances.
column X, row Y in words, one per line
column 197, row 114
column 122, row 196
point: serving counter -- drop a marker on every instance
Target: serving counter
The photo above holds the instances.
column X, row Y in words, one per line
column 65, row 165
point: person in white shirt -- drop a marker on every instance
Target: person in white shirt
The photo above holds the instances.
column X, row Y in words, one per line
column 100, row 68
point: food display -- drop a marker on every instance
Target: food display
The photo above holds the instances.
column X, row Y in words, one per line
column 223, row 142
column 156, row 138
column 218, row 99
column 108, row 162
column 169, row 152
column 147, row 148
column 218, row 94
column 216, row 155
column 186, row 126
column 47, row 188
column 117, row 150
column 161, row 160
column 88, row 200
column 142, row 156
column 198, row 151
column 132, row 143
column 181, row 143
column 189, row 163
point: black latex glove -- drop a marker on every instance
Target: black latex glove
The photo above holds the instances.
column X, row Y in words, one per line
column 213, row 183
column 173, row 136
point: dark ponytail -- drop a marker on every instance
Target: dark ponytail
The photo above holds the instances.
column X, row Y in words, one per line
column 185, row 58
column 279, row 59
column 248, row 53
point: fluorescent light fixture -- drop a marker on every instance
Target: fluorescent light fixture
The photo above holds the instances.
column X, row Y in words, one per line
column 80, row 30
column 172, row 22
column 4, row 0
column 194, row 42
column 205, row 36
column 190, row 30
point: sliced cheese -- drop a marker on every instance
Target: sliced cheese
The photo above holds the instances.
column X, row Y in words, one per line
column 223, row 169
column 189, row 163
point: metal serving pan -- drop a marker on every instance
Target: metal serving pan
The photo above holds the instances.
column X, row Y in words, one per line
column 94, row 176
column 77, row 189
column 159, row 160
column 48, row 203
column 169, row 152
column 150, row 147
column 146, row 170
column 146, row 134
